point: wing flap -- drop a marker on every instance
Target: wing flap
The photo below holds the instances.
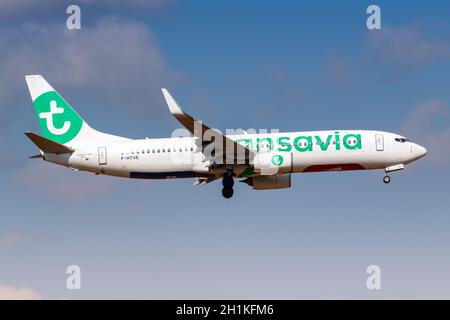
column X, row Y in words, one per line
column 204, row 180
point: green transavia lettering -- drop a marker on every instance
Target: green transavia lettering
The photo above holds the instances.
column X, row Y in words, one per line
column 305, row 143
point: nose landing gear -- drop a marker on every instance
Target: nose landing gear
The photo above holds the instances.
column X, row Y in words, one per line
column 397, row 167
column 228, row 183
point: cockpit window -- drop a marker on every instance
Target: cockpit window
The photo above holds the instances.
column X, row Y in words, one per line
column 401, row 140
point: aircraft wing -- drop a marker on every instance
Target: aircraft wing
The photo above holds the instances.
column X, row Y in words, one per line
column 204, row 180
column 231, row 149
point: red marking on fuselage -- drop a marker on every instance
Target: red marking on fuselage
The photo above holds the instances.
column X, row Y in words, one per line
column 334, row 167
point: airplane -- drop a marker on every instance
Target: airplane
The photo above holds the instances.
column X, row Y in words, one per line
column 264, row 161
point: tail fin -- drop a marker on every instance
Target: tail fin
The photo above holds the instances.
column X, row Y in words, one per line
column 59, row 122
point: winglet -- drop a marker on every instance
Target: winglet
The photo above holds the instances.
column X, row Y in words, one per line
column 173, row 105
column 47, row 145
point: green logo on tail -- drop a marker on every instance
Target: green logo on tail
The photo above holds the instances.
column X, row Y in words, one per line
column 58, row 121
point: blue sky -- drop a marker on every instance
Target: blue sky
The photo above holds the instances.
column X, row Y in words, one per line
column 287, row 65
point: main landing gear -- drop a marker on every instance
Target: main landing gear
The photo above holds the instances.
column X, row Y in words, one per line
column 386, row 179
column 228, row 183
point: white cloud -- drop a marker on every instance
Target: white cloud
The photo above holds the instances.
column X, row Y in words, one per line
column 11, row 239
column 429, row 124
column 406, row 46
column 24, row 9
column 116, row 60
column 32, row 10
column 18, row 293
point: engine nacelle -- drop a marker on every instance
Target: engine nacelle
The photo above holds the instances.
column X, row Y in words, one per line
column 271, row 163
column 280, row 181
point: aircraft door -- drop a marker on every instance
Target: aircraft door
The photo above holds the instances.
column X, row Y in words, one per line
column 102, row 160
column 379, row 142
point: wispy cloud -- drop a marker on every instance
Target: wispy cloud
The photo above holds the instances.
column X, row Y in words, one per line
column 337, row 69
column 277, row 74
column 51, row 10
column 406, row 46
column 10, row 239
column 18, row 293
column 58, row 182
column 429, row 124
column 119, row 61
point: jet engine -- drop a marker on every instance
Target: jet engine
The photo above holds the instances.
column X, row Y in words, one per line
column 279, row 181
column 271, row 163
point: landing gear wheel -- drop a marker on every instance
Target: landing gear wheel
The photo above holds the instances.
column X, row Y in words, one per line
column 228, row 182
column 386, row 179
column 227, row 192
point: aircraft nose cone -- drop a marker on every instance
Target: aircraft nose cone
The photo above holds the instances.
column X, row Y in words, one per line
column 421, row 151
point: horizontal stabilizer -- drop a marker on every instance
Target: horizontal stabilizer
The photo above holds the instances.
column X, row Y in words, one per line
column 47, row 145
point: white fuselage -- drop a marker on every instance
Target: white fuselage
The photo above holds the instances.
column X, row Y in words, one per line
column 309, row 151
